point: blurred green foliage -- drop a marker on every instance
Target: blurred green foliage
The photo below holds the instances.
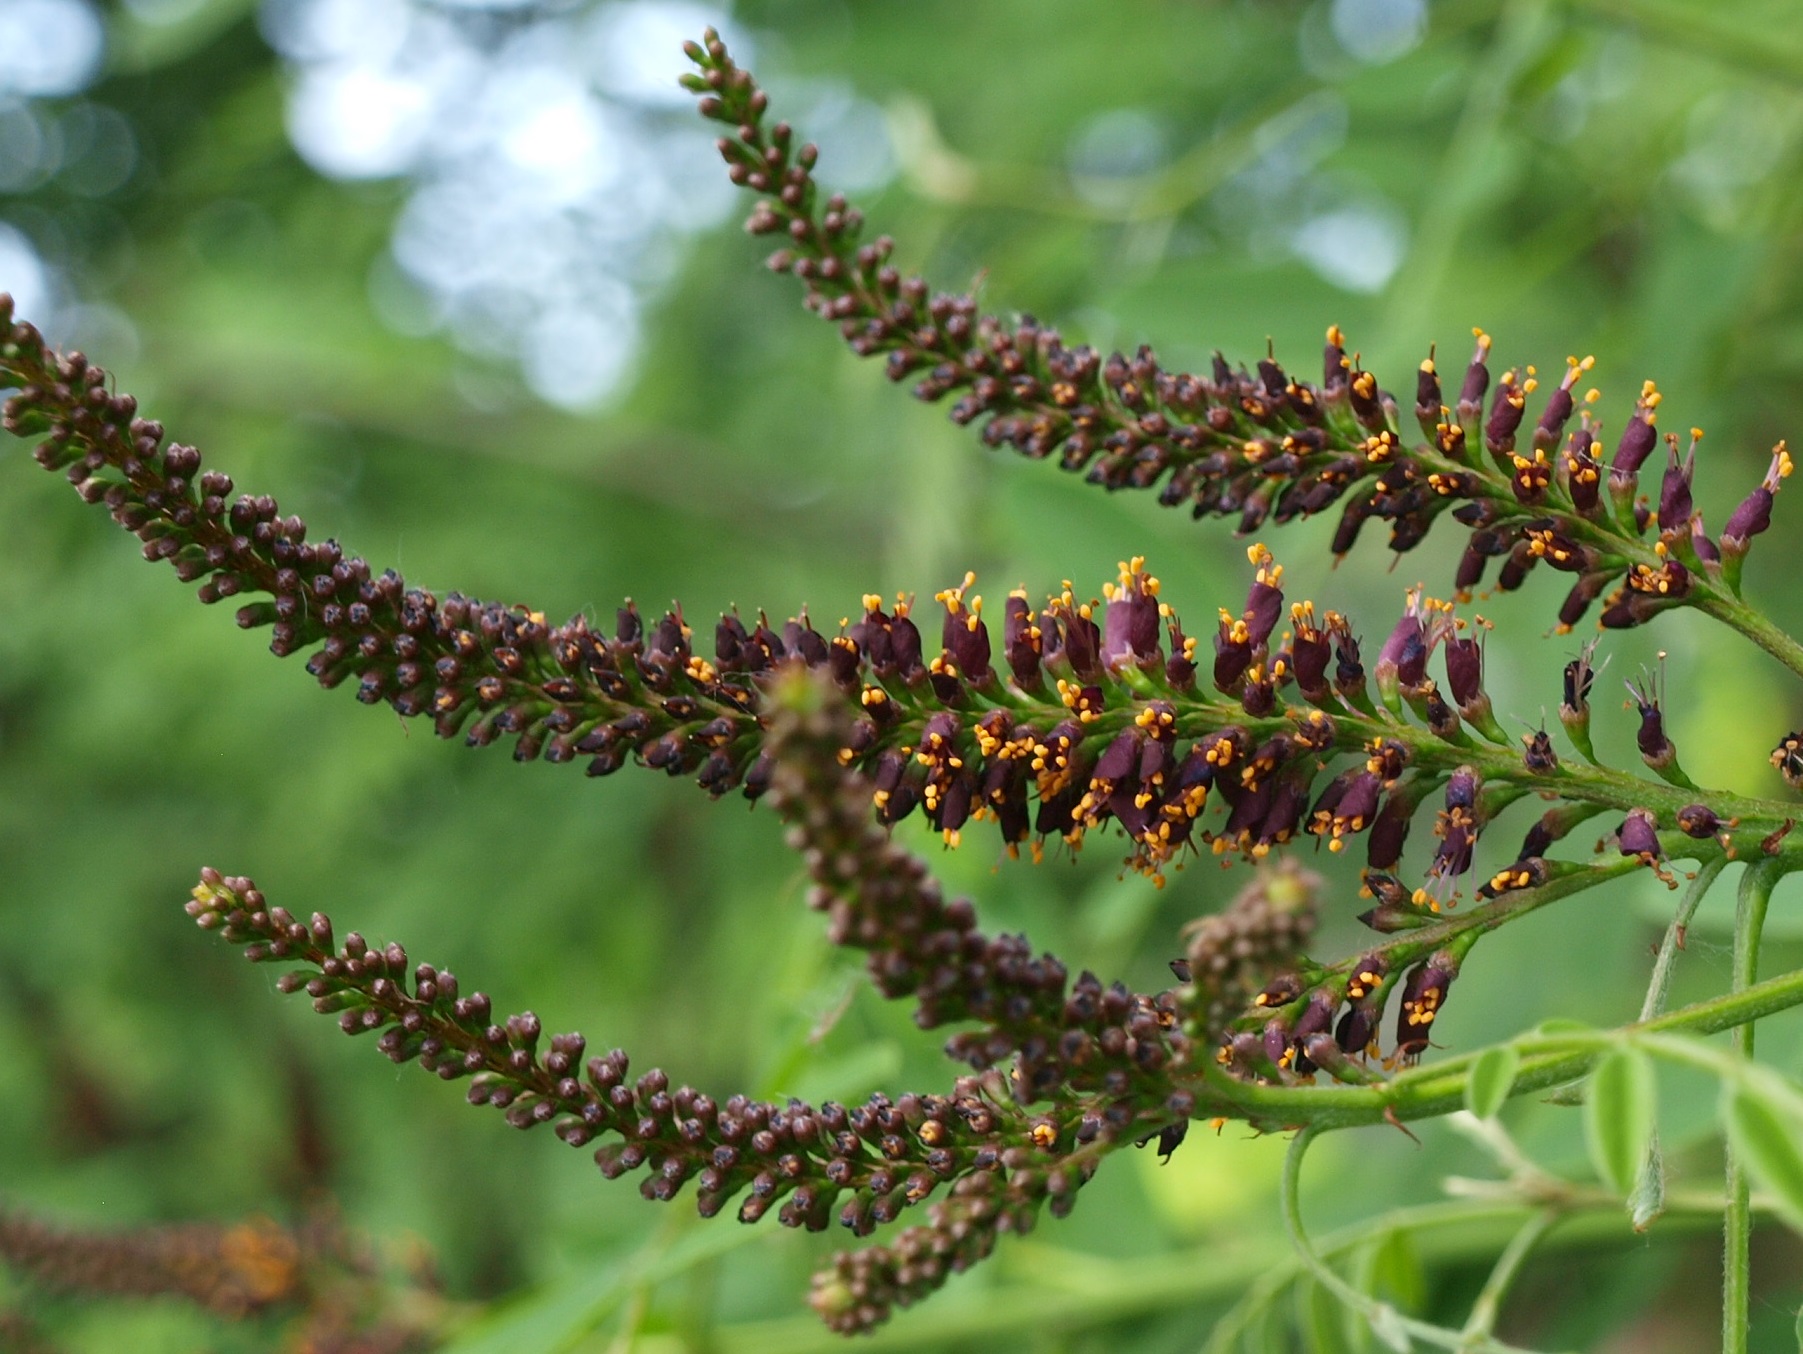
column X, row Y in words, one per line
column 1594, row 176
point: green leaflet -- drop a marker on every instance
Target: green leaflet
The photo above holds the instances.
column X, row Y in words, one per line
column 1766, row 1128
column 1619, row 1115
column 1492, row 1078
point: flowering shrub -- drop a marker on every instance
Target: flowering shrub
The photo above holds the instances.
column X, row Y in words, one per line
column 1240, row 738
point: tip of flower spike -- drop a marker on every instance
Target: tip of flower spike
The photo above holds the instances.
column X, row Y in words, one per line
column 798, row 691
column 1134, row 578
column 953, row 598
column 1336, row 336
column 1270, row 572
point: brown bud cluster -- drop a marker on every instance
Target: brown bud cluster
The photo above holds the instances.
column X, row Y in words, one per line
column 1064, row 1037
column 321, row 1283
column 862, row 1166
column 230, row 1270
column 861, row 1289
column 1233, row 953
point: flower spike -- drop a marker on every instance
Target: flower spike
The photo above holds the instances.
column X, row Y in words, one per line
column 1259, row 446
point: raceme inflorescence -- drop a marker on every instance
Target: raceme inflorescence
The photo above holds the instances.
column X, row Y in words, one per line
column 1049, row 719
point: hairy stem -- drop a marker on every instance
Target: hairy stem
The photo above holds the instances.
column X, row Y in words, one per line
column 1389, row 1325
column 1751, row 622
column 1660, row 983
column 1488, row 1306
column 1647, row 1200
column 1546, row 1061
column 1749, row 921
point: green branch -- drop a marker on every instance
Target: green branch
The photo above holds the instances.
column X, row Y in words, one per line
column 1749, row 922
column 1546, row 1060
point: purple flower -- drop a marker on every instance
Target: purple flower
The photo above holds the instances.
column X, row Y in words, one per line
column 1423, row 996
column 1506, row 412
column 1675, row 504
column 1639, row 437
column 1639, row 835
column 965, row 637
column 1559, row 405
column 1477, row 380
column 1132, row 622
column 1754, row 514
column 1656, row 748
column 1583, row 476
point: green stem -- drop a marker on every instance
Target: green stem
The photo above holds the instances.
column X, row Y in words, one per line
column 1732, row 611
column 1749, row 921
column 1388, row 1324
column 1660, row 984
column 1489, row 1302
column 1439, row 1089
column 1647, row 1200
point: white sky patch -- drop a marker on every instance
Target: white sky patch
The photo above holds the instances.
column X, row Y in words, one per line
column 1357, row 248
column 359, row 122
column 637, row 49
column 554, row 165
column 49, row 47
column 24, row 274
column 1379, row 31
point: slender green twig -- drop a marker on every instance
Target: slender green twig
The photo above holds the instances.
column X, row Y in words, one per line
column 1488, row 1306
column 1648, row 1198
column 1466, row 1218
column 1749, row 921
column 1547, row 1060
column 1660, row 984
column 1388, row 1324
